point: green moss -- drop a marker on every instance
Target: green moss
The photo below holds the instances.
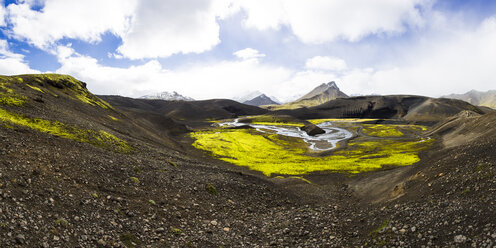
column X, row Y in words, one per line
column 62, row 222
column 134, row 179
column 98, row 138
column 77, row 87
column 379, row 130
column 376, row 231
column 318, row 121
column 176, row 231
column 275, row 154
column 210, row 189
column 272, row 120
column 301, row 178
column 95, row 195
column 113, row 118
column 129, row 240
column 152, row 202
column 7, row 94
column 35, row 88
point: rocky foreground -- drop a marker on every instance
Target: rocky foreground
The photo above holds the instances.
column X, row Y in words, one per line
column 56, row 192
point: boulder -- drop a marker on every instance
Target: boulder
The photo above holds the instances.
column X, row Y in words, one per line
column 312, row 129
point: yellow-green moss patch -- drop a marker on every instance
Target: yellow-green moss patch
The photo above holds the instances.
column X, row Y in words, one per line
column 379, row 130
column 275, row 154
column 97, row 138
column 318, row 121
column 113, row 118
column 8, row 96
column 35, row 88
column 272, row 120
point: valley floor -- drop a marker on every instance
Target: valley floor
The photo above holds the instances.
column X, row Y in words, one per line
column 60, row 193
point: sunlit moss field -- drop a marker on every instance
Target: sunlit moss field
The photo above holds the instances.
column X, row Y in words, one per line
column 379, row 146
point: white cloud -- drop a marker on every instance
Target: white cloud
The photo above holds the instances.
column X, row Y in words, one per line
column 457, row 61
column 86, row 20
column 248, row 53
column 222, row 79
column 12, row 63
column 163, row 28
column 326, row 63
column 321, row 21
column 149, row 29
column 2, row 13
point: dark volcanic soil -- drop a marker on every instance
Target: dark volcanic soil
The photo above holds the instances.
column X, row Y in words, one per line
column 56, row 192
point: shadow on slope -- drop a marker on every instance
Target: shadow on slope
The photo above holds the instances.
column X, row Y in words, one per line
column 410, row 108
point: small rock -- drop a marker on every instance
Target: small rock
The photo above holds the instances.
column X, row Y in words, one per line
column 101, row 242
column 160, row 230
column 213, row 222
column 460, row 239
column 226, row 229
column 20, row 238
column 413, row 229
column 56, row 238
column 332, row 237
column 402, row 231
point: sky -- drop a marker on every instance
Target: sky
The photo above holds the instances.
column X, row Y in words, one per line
column 228, row 48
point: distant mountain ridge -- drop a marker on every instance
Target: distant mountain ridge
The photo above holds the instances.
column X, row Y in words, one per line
column 486, row 99
column 406, row 107
column 261, row 100
column 168, row 96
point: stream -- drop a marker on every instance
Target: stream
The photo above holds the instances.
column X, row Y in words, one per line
column 321, row 142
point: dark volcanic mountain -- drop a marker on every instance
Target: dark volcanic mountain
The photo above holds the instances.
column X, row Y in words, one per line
column 411, row 108
column 487, row 99
column 182, row 110
column 261, row 100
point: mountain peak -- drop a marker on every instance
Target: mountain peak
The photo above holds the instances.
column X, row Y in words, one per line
column 326, row 91
column 332, row 84
column 168, row 96
column 261, row 100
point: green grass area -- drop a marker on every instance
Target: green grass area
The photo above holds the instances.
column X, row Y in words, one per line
column 72, row 87
column 7, row 94
column 390, row 130
column 379, row 130
column 35, row 88
column 77, row 88
column 272, row 120
column 275, row 154
column 318, row 121
column 98, row 138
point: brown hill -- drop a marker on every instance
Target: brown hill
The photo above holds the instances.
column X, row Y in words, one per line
column 410, row 108
column 486, row 99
